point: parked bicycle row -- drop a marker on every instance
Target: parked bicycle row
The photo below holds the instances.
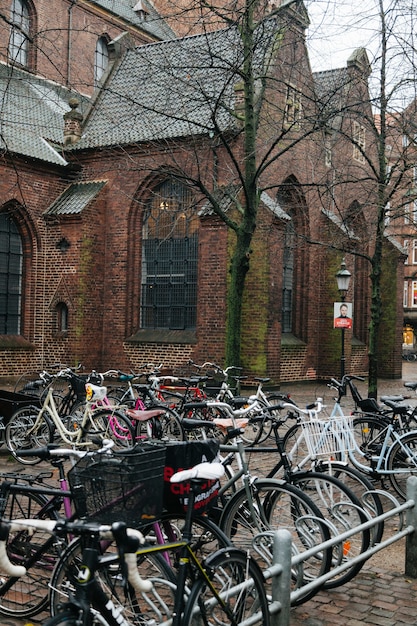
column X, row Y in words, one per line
column 316, row 495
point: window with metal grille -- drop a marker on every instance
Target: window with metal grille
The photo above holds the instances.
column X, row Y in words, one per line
column 19, row 33
column 169, row 259
column 11, row 257
column 101, row 59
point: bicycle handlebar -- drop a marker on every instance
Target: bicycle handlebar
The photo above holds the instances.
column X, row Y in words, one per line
column 127, row 540
column 53, row 450
column 338, row 384
column 215, row 367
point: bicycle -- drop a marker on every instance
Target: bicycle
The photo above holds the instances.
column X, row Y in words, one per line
column 403, row 417
column 24, row 495
column 227, row 588
column 68, row 387
column 389, row 453
column 30, row 427
column 256, row 431
column 148, row 413
column 259, row 504
column 339, row 505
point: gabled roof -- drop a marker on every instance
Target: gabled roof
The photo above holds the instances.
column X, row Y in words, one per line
column 31, row 115
column 333, row 86
column 75, row 198
column 153, row 24
column 274, row 206
column 338, row 221
column 174, row 88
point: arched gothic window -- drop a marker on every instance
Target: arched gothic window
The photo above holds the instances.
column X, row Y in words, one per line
column 11, row 260
column 288, row 278
column 19, row 33
column 101, row 59
column 169, row 259
column 295, row 260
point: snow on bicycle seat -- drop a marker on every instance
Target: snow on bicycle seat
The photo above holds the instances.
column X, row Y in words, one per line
column 142, row 416
column 207, row 471
column 225, row 423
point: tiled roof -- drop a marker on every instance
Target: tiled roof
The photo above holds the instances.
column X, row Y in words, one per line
column 31, row 115
column 173, row 89
column 153, row 24
column 75, row 198
column 331, row 86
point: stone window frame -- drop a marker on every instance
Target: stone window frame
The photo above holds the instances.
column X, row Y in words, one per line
column 21, row 49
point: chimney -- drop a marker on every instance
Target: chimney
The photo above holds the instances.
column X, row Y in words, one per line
column 72, row 123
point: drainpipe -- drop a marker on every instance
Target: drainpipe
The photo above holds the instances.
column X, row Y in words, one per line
column 69, row 29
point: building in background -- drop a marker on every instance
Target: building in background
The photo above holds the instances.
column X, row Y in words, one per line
column 112, row 258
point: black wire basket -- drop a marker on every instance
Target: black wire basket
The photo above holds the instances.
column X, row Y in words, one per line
column 123, row 486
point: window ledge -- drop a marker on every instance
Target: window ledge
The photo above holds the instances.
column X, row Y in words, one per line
column 146, row 335
column 15, row 342
column 287, row 339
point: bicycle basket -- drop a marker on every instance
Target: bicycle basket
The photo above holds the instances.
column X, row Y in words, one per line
column 78, row 385
column 125, row 486
column 329, row 437
column 183, row 455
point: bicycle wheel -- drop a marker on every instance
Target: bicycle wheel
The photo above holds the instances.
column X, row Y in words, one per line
column 19, row 433
column 295, row 445
column 206, row 537
column 154, row 605
column 279, row 505
column 206, row 414
column 343, row 511
column 67, row 619
column 110, row 424
column 165, row 427
column 362, row 487
column 258, row 429
column 402, row 462
column 28, row 595
column 227, row 570
column 369, row 431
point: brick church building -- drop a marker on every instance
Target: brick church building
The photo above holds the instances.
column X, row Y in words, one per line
column 119, row 137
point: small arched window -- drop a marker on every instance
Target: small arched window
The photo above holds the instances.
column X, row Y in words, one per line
column 61, row 317
column 101, row 59
column 11, row 261
column 19, row 33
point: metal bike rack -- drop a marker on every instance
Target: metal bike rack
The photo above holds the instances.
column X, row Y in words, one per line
column 280, row 570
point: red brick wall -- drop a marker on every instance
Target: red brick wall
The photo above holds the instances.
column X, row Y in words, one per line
column 54, row 43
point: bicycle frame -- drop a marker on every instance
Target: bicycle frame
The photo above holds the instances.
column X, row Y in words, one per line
column 379, row 467
column 50, row 411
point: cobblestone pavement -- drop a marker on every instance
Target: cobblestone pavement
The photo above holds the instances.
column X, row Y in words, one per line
column 381, row 595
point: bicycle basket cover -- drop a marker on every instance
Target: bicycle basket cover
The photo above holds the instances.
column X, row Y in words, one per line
column 95, row 393
column 183, row 455
column 125, row 486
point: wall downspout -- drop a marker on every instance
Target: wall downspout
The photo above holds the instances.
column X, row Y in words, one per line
column 69, row 29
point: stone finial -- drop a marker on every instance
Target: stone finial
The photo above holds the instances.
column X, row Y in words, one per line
column 72, row 123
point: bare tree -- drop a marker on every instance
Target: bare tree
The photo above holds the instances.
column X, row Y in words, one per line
column 386, row 157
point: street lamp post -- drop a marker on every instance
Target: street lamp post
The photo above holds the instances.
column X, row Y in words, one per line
column 343, row 279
